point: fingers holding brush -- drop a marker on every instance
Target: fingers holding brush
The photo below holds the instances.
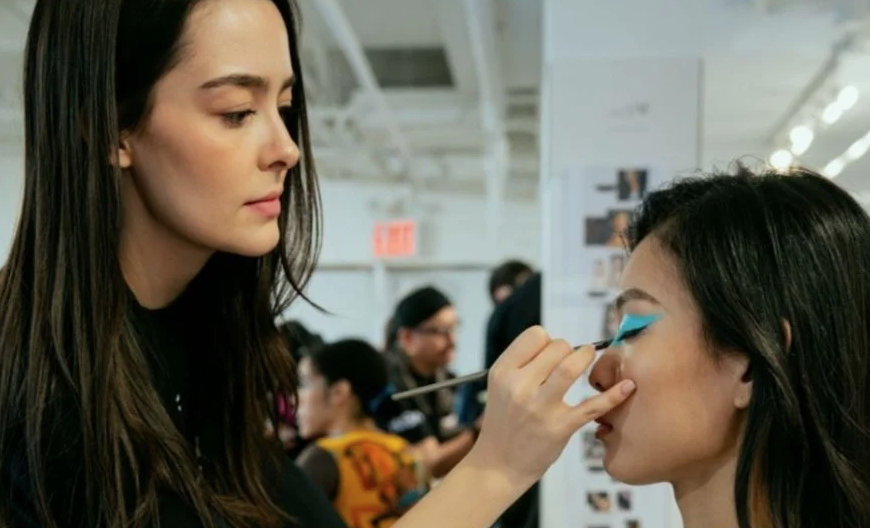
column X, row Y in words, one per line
column 527, row 422
column 524, row 349
column 567, row 371
column 548, row 363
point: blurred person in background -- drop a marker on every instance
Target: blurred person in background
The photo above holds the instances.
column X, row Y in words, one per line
column 371, row 477
column 506, row 277
column 503, row 280
column 511, row 318
column 426, row 324
column 301, row 342
column 391, row 332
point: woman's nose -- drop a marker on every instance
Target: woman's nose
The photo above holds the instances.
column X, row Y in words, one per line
column 605, row 373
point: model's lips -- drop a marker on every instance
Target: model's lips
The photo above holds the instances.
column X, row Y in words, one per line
column 604, row 428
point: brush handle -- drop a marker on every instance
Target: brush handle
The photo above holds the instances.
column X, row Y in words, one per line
column 460, row 380
column 440, row 385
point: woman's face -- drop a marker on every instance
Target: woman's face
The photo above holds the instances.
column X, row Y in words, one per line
column 433, row 343
column 684, row 420
column 612, row 322
column 315, row 414
column 207, row 166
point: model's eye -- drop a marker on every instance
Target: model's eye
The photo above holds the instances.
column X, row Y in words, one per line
column 632, row 325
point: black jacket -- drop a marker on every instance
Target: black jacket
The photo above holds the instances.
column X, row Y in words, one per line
column 510, row 319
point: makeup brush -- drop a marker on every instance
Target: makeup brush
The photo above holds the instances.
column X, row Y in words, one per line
column 425, row 389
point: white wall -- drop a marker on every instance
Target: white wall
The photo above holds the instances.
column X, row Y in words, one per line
column 458, row 234
column 11, row 191
column 458, row 262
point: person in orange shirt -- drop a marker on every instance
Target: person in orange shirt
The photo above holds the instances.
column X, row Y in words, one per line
column 371, row 477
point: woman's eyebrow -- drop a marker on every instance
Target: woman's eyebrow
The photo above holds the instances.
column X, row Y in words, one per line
column 634, row 294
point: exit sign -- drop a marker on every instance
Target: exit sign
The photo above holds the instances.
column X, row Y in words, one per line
column 395, row 238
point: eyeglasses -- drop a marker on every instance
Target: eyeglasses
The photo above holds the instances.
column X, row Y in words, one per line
column 442, row 331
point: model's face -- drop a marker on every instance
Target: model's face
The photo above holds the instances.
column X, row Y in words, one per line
column 207, row 166
column 315, row 413
column 684, row 420
column 612, row 322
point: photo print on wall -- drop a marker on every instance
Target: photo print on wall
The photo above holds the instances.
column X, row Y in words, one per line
column 631, row 185
column 608, row 231
column 623, row 500
column 598, row 501
column 593, row 452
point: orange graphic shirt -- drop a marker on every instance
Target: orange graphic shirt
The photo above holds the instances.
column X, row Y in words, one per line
column 378, row 480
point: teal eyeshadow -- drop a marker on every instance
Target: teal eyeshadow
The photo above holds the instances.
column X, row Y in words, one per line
column 632, row 322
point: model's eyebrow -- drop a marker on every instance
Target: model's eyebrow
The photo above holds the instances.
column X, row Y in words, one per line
column 634, row 294
column 245, row 80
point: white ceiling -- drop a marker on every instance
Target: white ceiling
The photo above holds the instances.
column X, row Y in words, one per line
column 761, row 55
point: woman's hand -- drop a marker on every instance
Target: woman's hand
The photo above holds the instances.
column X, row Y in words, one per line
column 527, row 423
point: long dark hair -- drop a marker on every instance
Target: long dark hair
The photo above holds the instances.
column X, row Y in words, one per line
column 365, row 369
column 757, row 249
column 67, row 347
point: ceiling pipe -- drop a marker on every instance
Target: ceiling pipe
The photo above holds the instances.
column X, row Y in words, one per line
column 481, row 30
column 347, row 40
column 319, row 63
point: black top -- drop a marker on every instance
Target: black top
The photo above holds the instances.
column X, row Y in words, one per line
column 163, row 341
column 425, row 415
column 321, row 467
column 521, row 310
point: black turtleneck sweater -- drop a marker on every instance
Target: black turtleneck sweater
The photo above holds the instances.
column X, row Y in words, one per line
column 168, row 348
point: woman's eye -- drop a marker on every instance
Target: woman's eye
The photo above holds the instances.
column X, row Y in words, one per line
column 631, row 334
column 632, row 325
column 237, row 119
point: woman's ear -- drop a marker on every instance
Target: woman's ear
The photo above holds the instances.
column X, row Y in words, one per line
column 340, row 391
column 403, row 337
column 122, row 156
column 741, row 369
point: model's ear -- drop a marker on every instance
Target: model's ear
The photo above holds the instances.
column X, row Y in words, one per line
column 741, row 371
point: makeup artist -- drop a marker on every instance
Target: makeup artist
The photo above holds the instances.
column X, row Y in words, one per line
column 166, row 220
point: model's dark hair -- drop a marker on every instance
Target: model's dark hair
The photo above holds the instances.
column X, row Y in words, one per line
column 67, row 347
column 757, row 250
column 364, row 369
